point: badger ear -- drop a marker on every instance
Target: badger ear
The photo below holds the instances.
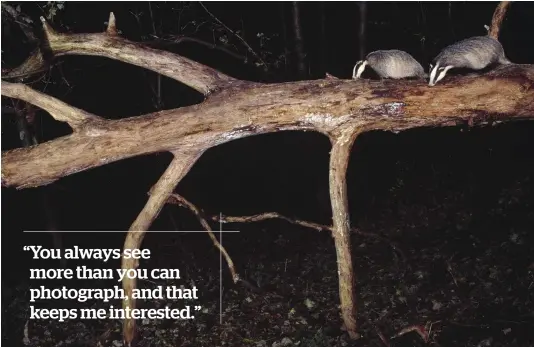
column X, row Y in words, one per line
column 431, row 66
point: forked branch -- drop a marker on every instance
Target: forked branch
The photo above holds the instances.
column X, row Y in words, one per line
column 110, row 45
column 271, row 215
column 236, row 35
column 181, row 201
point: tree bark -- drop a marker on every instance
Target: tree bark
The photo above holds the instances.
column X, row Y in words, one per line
column 252, row 109
column 498, row 18
column 177, row 169
column 339, row 159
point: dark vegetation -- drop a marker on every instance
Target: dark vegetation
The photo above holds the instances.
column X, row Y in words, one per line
column 454, row 207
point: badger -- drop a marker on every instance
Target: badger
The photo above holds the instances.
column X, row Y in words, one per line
column 474, row 53
column 390, row 64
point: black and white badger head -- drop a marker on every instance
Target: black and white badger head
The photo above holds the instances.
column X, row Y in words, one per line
column 474, row 53
column 437, row 72
column 359, row 68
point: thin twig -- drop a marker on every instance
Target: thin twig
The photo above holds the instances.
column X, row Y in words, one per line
column 270, row 215
column 236, row 35
column 180, row 200
column 275, row 215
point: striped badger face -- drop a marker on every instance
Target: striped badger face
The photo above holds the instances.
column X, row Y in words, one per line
column 358, row 69
column 437, row 73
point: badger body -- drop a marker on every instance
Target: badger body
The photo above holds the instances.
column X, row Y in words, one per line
column 474, row 53
column 392, row 63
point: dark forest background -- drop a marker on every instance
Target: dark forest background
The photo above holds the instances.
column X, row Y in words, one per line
column 389, row 174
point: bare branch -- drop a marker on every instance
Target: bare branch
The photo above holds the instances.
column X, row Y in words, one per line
column 236, row 35
column 339, row 159
column 61, row 111
column 177, row 169
column 271, row 215
column 250, row 109
column 180, row 200
column 498, row 18
column 303, row 223
column 195, row 75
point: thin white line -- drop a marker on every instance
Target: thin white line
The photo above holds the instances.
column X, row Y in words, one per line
column 220, row 269
column 125, row 231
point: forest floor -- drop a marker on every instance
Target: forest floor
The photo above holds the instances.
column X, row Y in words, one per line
column 449, row 267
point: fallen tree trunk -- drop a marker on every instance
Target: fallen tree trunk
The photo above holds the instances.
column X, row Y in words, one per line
column 242, row 109
column 234, row 109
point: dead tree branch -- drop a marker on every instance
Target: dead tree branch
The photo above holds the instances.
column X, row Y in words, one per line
column 271, row 215
column 498, row 18
column 195, row 75
column 339, row 159
column 247, row 109
column 295, row 221
column 180, row 200
column 251, row 51
column 61, row 111
column 177, row 169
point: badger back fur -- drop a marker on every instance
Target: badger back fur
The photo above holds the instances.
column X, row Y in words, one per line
column 474, row 53
column 392, row 63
